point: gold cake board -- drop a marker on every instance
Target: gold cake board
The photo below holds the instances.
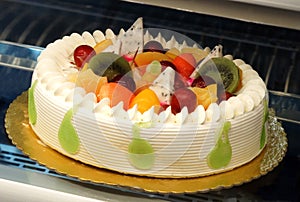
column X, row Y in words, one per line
column 21, row 134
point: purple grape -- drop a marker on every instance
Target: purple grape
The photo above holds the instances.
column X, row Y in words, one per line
column 183, row 97
column 153, row 46
column 126, row 81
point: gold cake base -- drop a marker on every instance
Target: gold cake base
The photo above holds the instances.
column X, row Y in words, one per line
column 21, row 134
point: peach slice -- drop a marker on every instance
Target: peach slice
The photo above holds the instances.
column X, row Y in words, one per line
column 206, row 96
column 145, row 99
column 116, row 93
column 146, row 58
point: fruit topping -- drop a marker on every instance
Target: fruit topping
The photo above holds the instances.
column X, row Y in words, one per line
column 163, row 85
column 102, row 45
column 223, row 71
column 180, row 82
column 167, row 63
column 153, row 46
column 126, row 81
column 172, row 53
column 152, row 71
column 83, row 54
column 144, row 100
column 224, row 95
column 133, row 39
column 183, row 97
column 202, row 81
column 185, row 64
column 116, row 93
column 90, row 81
column 206, row 96
column 198, row 53
column 109, row 65
column 215, row 52
column 146, row 58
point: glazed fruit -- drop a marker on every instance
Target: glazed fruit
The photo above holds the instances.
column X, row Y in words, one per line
column 102, row 45
column 185, row 64
column 167, row 63
column 223, row 71
column 183, row 97
column 152, row 71
column 146, row 58
column 172, row 53
column 180, row 82
column 144, row 100
column 202, row 81
column 126, row 81
column 116, row 93
column 198, row 53
column 90, row 81
column 153, row 46
column 83, row 54
column 224, row 95
column 206, row 96
column 109, row 65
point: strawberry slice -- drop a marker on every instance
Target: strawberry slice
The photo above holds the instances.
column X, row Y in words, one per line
column 185, row 64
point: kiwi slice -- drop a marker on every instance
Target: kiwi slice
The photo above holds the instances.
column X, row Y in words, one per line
column 109, row 65
column 223, row 71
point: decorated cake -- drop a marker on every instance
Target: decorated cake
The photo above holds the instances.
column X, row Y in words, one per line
column 147, row 102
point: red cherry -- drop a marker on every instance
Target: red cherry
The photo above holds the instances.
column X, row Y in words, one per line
column 183, row 97
column 185, row 64
column 82, row 54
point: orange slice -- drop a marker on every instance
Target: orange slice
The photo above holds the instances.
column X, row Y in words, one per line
column 146, row 58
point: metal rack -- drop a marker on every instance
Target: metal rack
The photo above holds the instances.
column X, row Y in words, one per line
column 272, row 51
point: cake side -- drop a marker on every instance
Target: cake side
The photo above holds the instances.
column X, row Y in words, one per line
column 180, row 151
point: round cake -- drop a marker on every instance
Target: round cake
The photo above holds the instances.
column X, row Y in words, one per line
column 147, row 103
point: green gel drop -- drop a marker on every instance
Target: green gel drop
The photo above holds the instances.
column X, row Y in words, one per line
column 31, row 104
column 141, row 154
column 67, row 135
column 263, row 132
column 221, row 154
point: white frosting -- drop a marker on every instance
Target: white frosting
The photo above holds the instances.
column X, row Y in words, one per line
column 180, row 138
